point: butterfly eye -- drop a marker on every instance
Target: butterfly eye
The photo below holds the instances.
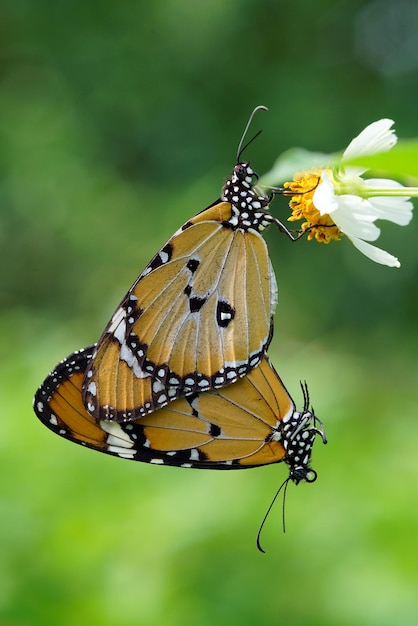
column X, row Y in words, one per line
column 311, row 476
column 242, row 171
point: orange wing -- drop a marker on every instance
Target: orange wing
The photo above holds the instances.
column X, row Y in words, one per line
column 199, row 316
column 249, row 423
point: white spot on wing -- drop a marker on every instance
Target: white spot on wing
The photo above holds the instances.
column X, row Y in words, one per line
column 130, row 359
column 92, row 388
column 157, row 386
column 273, row 289
column 163, row 256
column 117, row 440
column 117, row 326
column 122, row 452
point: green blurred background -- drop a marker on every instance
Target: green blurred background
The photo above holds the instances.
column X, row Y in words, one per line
column 118, row 121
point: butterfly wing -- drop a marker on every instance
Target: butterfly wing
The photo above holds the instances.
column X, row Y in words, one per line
column 235, row 427
column 198, row 318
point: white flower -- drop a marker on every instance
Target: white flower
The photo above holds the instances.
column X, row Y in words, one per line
column 345, row 200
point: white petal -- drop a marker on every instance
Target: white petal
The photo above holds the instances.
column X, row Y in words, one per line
column 381, row 182
column 376, row 137
column 375, row 254
column 355, row 218
column 324, row 198
column 397, row 209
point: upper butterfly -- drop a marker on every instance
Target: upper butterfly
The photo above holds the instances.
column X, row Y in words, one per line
column 198, row 317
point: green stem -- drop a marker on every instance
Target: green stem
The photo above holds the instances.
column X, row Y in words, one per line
column 372, row 192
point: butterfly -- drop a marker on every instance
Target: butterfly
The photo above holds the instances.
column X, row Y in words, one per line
column 250, row 423
column 199, row 316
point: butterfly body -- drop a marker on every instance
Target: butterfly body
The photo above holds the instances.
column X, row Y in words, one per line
column 199, row 316
column 250, row 423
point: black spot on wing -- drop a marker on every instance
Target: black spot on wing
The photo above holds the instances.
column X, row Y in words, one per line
column 192, row 265
column 225, row 313
column 136, row 433
column 214, row 430
column 196, row 304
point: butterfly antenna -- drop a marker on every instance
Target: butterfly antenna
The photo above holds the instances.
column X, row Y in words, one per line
column 284, row 484
column 305, row 391
column 284, row 505
column 240, row 147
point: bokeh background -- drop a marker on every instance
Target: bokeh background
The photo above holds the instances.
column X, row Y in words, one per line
column 118, row 121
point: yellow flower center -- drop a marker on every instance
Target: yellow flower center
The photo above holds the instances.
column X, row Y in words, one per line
column 321, row 227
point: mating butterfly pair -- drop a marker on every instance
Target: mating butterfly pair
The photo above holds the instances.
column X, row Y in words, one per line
column 179, row 376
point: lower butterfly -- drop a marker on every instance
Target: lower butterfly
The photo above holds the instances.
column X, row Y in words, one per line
column 250, row 423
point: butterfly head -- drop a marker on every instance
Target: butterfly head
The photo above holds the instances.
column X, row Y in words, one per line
column 248, row 206
column 299, row 431
column 239, row 188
